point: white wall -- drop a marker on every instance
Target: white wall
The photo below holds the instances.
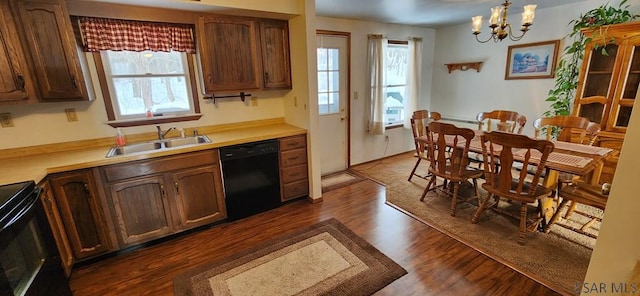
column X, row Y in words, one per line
column 365, row 147
column 462, row 94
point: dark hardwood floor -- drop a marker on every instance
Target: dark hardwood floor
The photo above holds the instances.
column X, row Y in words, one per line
column 436, row 263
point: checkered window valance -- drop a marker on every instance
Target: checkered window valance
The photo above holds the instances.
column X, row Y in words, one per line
column 114, row 34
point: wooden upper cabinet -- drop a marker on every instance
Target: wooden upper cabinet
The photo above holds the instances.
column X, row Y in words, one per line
column 15, row 84
column 48, row 40
column 229, row 54
column 276, row 66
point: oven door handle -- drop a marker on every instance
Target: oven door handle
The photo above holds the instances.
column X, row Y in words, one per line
column 25, row 210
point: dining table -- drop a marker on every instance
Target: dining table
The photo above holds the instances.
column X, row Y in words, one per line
column 578, row 159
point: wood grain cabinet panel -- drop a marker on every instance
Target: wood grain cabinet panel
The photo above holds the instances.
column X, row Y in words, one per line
column 276, row 66
column 48, row 199
column 158, row 197
column 47, row 36
column 15, row 83
column 199, row 200
column 81, row 212
column 229, row 55
column 294, row 176
column 142, row 210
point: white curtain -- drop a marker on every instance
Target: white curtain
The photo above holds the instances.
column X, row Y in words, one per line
column 414, row 74
column 376, row 56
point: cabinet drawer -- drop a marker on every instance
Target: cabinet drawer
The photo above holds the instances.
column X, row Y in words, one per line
column 291, row 143
column 295, row 173
column 295, row 189
column 293, row 157
column 170, row 163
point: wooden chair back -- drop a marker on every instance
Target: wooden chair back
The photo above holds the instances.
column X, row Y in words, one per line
column 445, row 163
column 419, row 123
column 501, row 120
column 498, row 150
column 567, row 128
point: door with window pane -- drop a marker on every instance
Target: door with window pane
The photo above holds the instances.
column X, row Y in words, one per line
column 332, row 55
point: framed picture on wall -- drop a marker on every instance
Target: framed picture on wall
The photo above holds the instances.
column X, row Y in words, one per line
column 532, row 60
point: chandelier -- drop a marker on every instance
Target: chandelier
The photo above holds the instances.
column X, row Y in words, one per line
column 500, row 28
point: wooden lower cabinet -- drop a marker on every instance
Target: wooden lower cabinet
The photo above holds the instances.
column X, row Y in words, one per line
column 81, row 213
column 141, row 209
column 48, row 199
column 155, row 198
column 294, row 177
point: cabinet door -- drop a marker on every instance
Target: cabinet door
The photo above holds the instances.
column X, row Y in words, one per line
column 57, row 227
column 142, row 209
column 81, row 213
column 276, row 66
column 12, row 64
column 627, row 87
column 595, row 92
column 48, row 38
column 229, row 54
column 199, row 196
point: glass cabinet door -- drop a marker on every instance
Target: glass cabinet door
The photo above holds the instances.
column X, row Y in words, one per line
column 627, row 87
column 597, row 88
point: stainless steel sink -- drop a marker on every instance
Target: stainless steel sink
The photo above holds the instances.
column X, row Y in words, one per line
column 157, row 145
column 177, row 142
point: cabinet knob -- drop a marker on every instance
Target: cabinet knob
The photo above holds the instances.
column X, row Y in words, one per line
column 210, row 78
column 162, row 191
column 86, row 189
column 175, row 184
column 74, row 82
column 266, row 77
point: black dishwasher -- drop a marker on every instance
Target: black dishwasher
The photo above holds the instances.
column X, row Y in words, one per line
column 251, row 178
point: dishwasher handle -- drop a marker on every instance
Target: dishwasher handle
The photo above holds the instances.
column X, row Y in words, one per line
column 248, row 150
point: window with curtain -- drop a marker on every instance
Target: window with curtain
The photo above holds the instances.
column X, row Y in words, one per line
column 394, row 68
column 145, row 69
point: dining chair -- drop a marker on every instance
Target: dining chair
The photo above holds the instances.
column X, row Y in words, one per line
column 583, row 193
column 451, row 165
column 501, row 120
column 419, row 124
column 502, row 181
column 574, row 129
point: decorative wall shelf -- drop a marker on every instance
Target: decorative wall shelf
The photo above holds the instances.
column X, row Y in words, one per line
column 464, row 66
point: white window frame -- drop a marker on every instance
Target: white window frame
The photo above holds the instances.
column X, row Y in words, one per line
column 394, row 43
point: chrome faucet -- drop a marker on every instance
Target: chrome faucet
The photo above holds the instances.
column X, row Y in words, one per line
column 161, row 134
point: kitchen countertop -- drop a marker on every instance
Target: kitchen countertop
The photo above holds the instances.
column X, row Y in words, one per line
column 37, row 167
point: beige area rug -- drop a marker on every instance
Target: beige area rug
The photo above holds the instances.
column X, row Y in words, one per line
column 324, row 259
column 339, row 180
column 553, row 259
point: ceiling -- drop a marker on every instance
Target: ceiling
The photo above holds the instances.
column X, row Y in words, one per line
column 424, row 13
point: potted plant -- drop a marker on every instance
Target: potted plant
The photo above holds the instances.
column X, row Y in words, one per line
column 568, row 69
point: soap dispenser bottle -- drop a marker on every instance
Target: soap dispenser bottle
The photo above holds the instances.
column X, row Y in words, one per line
column 120, row 139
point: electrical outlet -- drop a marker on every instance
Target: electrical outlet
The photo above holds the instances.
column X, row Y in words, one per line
column 71, row 114
column 5, row 120
column 355, row 95
column 254, row 102
column 295, row 101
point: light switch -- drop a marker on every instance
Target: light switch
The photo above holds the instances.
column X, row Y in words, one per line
column 254, row 102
